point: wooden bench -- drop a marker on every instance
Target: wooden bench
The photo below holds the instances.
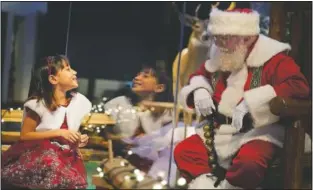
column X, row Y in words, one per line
column 9, row 137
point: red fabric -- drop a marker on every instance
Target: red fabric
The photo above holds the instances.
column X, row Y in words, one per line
column 280, row 71
column 42, row 165
column 238, row 10
column 248, row 167
column 250, row 164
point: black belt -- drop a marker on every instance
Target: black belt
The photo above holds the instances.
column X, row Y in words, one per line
column 222, row 119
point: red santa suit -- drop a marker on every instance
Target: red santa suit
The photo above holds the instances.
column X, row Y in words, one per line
column 268, row 73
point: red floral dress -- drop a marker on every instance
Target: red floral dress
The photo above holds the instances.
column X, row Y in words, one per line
column 44, row 164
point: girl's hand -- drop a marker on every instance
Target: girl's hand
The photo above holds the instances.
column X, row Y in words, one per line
column 83, row 140
column 71, row 136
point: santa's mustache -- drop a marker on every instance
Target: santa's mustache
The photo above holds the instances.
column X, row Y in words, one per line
column 230, row 61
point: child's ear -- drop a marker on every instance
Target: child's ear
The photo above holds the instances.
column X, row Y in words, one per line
column 159, row 88
column 53, row 79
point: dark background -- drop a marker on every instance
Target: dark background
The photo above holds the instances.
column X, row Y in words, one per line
column 112, row 40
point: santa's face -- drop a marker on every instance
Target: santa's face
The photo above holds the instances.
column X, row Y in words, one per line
column 231, row 52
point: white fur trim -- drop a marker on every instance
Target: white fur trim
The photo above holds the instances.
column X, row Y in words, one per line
column 234, row 91
column 226, row 185
column 36, row 106
column 75, row 112
column 264, row 49
column 233, row 23
column 206, row 181
column 258, row 103
column 195, row 83
column 203, row 182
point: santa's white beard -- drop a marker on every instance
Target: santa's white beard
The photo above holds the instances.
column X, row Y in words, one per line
column 230, row 61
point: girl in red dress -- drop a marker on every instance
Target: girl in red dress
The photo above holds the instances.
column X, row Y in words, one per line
column 47, row 155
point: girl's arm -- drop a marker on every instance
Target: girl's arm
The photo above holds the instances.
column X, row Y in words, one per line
column 32, row 120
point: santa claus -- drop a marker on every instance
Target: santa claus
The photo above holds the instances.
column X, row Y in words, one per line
column 245, row 72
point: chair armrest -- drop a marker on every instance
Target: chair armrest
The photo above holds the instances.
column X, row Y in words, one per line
column 299, row 111
column 288, row 107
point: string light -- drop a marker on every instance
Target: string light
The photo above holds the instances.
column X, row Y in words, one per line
column 161, row 174
column 123, row 163
column 181, row 181
column 127, row 177
column 157, row 186
column 99, row 169
column 130, row 152
column 140, row 178
column 101, row 174
column 164, row 182
column 136, row 171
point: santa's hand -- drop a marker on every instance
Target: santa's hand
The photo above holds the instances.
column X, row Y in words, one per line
column 203, row 102
column 239, row 112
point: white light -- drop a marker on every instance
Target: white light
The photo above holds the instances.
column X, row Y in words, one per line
column 181, row 181
column 136, row 171
column 19, row 109
column 133, row 111
column 99, row 169
column 98, row 131
column 140, row 178
column 163, row 182
column 99, row 106
column 90, row 126
column 161, row 174
column 122, row 163
column 2, row 120
column 130, row 152
column 11, row 109
column 127, row 177
column 98, row 128
column 157, row 186
column 107, row 112
column 120, row 108
column 96, row 111
column 101, row 174
column 100, row 109
column 104, row 99
column 103, row 126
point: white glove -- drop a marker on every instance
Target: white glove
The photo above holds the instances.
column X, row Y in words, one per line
column 203, row 102
column 238, row 114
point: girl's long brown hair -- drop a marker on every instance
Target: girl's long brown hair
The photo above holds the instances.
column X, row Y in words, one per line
column 40, row 87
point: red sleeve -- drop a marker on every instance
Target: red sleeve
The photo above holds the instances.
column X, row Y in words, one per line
column 286, row 78
column 200, row 71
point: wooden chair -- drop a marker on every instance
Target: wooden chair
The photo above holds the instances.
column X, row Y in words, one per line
column 297, row 115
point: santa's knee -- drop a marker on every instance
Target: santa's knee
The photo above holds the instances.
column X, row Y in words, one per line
column 179, row 153
column 246, row 174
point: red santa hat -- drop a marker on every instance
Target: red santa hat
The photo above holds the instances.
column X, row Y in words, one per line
column 243, row 22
